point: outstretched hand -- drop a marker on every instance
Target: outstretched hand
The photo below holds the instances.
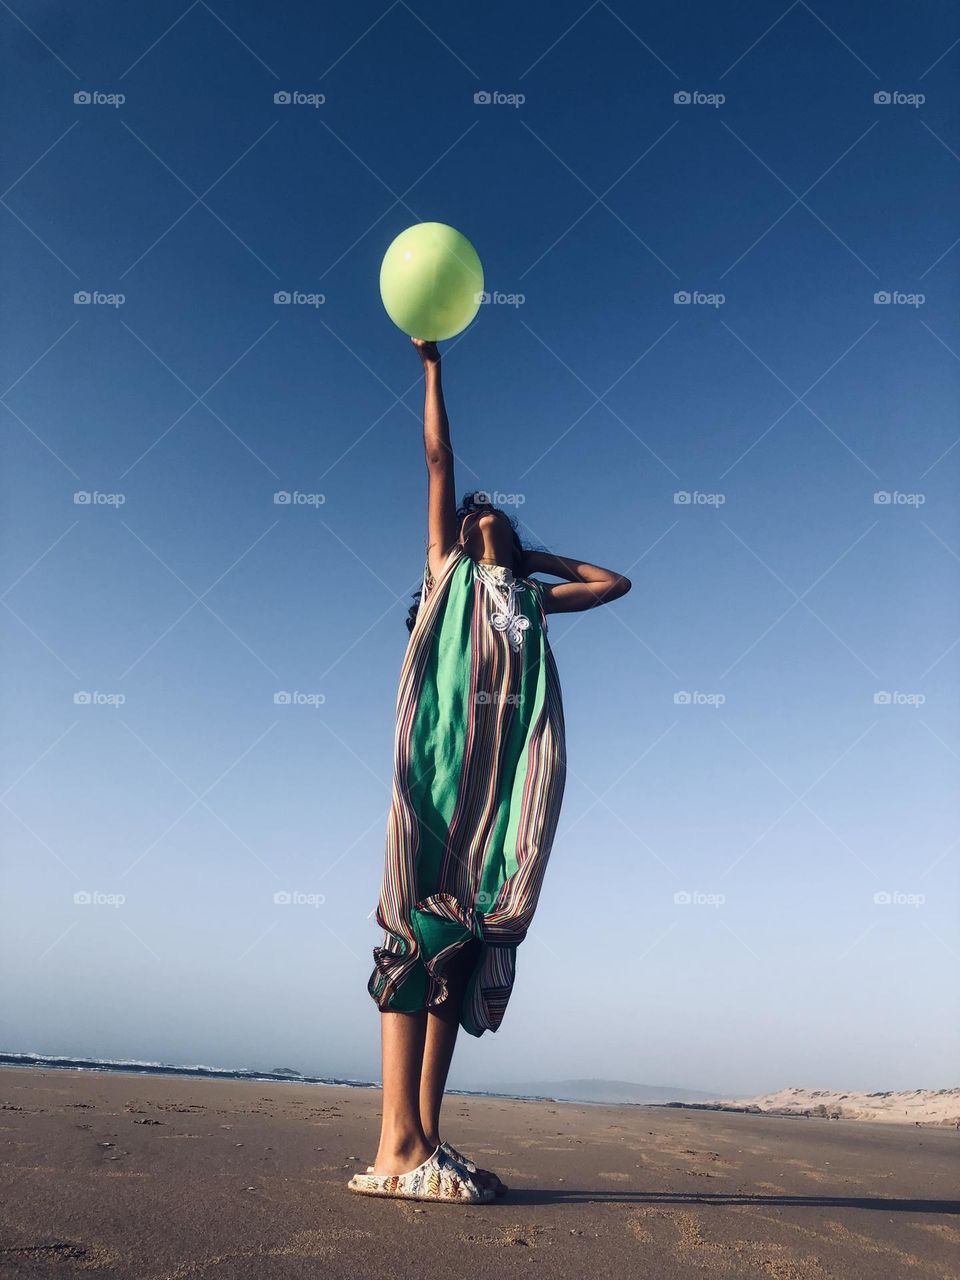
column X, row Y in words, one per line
column 428, row 352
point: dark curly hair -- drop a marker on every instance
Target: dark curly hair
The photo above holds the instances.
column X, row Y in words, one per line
column 474, row 501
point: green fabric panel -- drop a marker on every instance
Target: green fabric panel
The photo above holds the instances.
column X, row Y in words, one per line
column 438, row 745
column 533, row 685
column 434, row 933
column 466, row 1006
column 411, row 995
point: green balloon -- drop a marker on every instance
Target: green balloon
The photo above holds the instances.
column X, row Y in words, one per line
column 431, row 281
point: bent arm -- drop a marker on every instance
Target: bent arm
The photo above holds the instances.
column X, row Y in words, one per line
column 441, row 497
column 586, row 585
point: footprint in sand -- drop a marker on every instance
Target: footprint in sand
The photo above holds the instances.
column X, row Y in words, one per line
column 515, row 1236
column 86, row 1257
column 305, row 1246
column 764, row 1258
column 941, row 1229
column 926, row 1266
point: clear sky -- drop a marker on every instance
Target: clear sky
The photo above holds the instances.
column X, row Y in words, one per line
column 762, row 735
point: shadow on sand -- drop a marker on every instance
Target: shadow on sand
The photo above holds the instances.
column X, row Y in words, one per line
column 516, row 1198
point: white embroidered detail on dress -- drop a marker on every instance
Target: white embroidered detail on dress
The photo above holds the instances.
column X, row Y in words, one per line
column 508, row 618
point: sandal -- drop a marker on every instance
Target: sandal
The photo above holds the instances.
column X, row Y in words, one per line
column 440, row 1177
column 484, row 1176
column 487, row 1175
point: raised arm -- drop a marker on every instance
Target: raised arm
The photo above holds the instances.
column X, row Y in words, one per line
column 586, row 586
column 441, row 495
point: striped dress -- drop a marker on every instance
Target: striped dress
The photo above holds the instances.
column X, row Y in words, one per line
column 479, row 766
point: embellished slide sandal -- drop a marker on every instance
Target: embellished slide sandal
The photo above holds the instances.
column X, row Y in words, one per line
column 439, row 1178
column 485, row 1175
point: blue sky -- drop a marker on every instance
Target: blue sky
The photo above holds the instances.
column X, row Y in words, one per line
column 755, row 878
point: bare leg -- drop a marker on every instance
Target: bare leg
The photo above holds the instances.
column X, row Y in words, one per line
column 403, row 1144
column 441, row 1038
column 443, row 1023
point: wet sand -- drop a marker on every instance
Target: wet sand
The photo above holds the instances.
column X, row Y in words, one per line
column 170, row 1179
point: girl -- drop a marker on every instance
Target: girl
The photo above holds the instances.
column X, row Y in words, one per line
column 479, row 765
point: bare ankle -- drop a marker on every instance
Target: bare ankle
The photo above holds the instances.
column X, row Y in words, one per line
column 403, row 1144
column 403, row 1150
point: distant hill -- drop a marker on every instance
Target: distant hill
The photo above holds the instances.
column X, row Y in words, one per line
column 603, row 1091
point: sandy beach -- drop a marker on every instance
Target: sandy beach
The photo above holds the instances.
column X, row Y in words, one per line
column 170, row 1179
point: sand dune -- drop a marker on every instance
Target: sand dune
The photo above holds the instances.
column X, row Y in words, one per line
column 910, row 1106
